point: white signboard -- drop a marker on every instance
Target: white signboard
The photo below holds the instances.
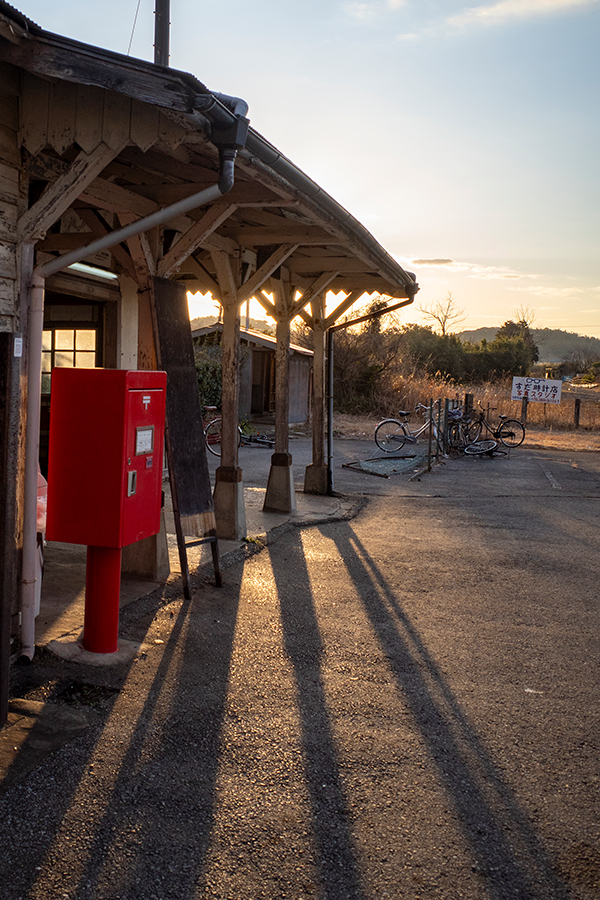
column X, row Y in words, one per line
column 537, row 390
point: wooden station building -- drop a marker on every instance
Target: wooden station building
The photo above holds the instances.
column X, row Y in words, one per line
column 118, row 174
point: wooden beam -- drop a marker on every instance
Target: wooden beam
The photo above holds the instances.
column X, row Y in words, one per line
column 226, row 277
column 141, row 254
column 99, row 228
column 265, row 271
column 65, row 242
column 329, row 264
column 58, row 196
column 241, row 194
column 288, row 232
column 342, row 307
column 112, row 197
column 194, row 237
column 216, row 241
column 266, row 304
column 317, row 288
column 205, row 279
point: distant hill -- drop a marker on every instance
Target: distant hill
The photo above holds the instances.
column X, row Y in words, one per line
column 554, row 344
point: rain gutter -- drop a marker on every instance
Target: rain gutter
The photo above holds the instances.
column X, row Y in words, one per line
column 269, row 155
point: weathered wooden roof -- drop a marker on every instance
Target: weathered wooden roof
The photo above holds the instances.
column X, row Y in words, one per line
column 249, row 336
column 160, row 122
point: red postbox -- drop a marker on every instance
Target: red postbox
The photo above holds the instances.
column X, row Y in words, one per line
column 105, row 478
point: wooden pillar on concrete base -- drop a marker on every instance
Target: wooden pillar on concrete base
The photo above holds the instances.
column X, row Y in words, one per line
column 228, row 500
column 280, row 495
column 148, row 558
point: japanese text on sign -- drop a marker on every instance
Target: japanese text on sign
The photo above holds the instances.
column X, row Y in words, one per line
column 536, row 390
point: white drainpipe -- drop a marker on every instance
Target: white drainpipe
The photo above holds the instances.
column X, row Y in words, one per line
column 34, row 376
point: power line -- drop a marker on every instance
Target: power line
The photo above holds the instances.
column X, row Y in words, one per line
column 133, row 29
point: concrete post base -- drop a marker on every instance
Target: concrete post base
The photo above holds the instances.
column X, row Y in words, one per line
column 315, row 480
column 228, row 499
column 280, row 496
column 148, row 558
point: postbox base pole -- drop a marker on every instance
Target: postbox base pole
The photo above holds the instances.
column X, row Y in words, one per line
column 102, row 592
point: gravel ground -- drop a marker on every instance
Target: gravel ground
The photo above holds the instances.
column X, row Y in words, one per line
column 400, row 706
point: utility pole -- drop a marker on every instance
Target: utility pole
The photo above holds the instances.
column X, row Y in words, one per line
column 161, row 32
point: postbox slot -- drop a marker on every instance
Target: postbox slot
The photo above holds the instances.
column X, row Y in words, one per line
column 131, row 483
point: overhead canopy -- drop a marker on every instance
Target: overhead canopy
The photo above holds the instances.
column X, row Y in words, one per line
column 163, row 126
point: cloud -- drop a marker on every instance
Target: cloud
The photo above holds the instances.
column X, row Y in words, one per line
column 368, row 9
column 472, row 270
column 432, row 262
column 564, row 293
column 507, row 10
column 359, row 10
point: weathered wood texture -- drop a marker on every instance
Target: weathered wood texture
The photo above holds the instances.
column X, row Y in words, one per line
column 175, row 355
column 9, row 186
column 61, row 114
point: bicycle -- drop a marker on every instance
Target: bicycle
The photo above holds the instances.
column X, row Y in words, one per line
column 455, row 437
column 509, row 432
column 212, row 431
column 392, row 434
column 487, row 447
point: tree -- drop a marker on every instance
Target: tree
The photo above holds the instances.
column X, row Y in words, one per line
column 520, row 330
column 445, row 313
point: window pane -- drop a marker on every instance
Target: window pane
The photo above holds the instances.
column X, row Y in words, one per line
column 63, row 340
column 85, row 360
column 47, row 340
column 46, row 361
column 45, row 383
column 63, row 358
column 85, row 340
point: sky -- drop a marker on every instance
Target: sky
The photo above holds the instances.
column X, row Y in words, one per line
column 464, row 135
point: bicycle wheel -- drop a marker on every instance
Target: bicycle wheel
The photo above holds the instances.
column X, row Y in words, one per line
column 480, row 447
column 454, row 437
column 511, row 433
column 212, row 436
column 390, row 435
column 473, row 432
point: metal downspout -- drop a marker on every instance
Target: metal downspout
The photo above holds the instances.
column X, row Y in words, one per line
column 34, row 372
column 32, row 455
column 330, row 411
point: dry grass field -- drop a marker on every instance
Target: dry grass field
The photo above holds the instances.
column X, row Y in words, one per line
column 363, row 428
column 548, row 426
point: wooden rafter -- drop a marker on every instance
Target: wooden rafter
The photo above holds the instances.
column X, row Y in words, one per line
column 342, row 307
column 287, row 231
column 316, row 288
column 265, row 271
column 141, row 254
column 99, row 228
column 58, row 196
column 194, row 237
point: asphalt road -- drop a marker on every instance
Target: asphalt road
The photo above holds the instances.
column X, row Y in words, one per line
column 403, row 706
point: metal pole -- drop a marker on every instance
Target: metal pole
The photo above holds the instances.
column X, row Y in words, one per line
column 430, row 434
column 161, row 32
column 330, row 411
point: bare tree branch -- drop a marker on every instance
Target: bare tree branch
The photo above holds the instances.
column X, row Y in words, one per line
column 445, row 313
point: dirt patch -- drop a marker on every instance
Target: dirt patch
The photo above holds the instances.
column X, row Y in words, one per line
column 581, row 865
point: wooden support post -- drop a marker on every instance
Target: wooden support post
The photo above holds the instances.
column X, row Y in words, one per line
column 524, row 405
column 228, row 495
column 577, row 412
column 280, row 495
